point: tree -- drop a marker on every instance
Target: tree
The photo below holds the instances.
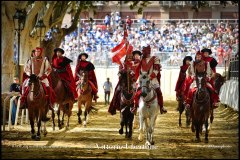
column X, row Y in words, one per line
column 52, row 14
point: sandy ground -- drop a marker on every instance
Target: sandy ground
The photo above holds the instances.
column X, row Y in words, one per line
column 100, row 139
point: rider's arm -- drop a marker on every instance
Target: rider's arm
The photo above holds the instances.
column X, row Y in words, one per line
column 48, row 68
column 190, row 71
column 156, row 68
column 209, row 71
column 28, row 67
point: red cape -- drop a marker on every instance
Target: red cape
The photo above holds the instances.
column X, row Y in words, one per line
column 61, row 63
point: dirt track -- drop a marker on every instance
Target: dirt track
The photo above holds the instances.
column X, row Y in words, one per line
column 171, row 141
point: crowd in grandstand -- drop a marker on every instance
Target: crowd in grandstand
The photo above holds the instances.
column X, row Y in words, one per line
column 171, row 41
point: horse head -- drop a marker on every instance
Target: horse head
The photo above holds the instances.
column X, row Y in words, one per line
column 218, row 81
column 83, row 77
column 126, row 79
column 34, row 84
column 144, row 83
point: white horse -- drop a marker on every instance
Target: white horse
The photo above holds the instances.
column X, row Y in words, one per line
column 148, row 109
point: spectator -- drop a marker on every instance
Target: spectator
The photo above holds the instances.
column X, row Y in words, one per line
column 107, row 89
column 117, row 19
column 107, row 20
column 15, row 87
column 128, row 22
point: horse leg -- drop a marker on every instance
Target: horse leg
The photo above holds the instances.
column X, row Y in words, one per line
column 180, row 113
column 152, row 126
column 197, row 127
column 38, row 137
column 206, row 132
column 44, row 129
column 126, row 126
column 130, row 124
column 187, row 113
column 59, row 123
column 147, row 132
column 79, row 113
column 53, row 116
column 31, row 118
column 69, row 114
column 140, row 137
column 85, row 117
column 211, row 117
column 62, row 122
column 122, row 124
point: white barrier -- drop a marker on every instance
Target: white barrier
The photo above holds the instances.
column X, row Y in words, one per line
column 229, row 94
column 14, row 96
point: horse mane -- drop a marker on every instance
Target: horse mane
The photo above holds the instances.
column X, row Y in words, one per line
column 33, row 78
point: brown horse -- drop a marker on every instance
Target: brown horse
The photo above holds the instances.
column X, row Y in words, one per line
column 201, row 103
column 84, row 96
column 218, row 82
column 37, row 105
column 63, row 98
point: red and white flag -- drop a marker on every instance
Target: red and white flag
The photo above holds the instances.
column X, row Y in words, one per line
column 121, row 50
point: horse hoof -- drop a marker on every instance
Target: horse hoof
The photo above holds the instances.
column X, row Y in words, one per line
column 206, row 140
column 120, row 131
column 79, row 122
column 197, row 140
column 126, row 135
column 37, row 138
column 45, row 133
column 60, row 127
column 33, row 136
column 53, row 128
column 140, row 138
column 180, row 125
column 152, row 143
column 148, row 144
column 85, row 123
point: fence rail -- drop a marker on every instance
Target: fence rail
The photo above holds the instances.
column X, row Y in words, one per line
column 165, row 21
column 233, row 72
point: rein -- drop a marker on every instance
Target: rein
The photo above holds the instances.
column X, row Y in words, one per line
column 86, row 91
column 126, row 101
column 38, row 93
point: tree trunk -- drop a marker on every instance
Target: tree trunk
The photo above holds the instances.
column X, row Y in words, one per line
column 7, row 45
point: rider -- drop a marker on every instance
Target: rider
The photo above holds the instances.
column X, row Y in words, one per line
column 82, row 64
column 40, row 66
column 131, row 62
column 181, row 88
column 192, row 75
column 152, row 65
column 213, row 63
column 62, row 65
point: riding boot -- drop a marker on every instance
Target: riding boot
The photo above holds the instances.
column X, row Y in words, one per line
column 160, row 101
column 136, row 102
column 95, row 97
column 48, row 97
column 23, row 98
column 23, row 104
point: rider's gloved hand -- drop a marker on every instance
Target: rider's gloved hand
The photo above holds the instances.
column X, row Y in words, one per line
column 153, row 75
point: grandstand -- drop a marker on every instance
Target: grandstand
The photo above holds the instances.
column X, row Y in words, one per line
column 176, row 34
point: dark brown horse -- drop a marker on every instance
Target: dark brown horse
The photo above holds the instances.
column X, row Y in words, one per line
column 37, row 105
column 63, row 98
column 201, row 103
column 218, row 82
column 126, row 103
column 84, row 97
